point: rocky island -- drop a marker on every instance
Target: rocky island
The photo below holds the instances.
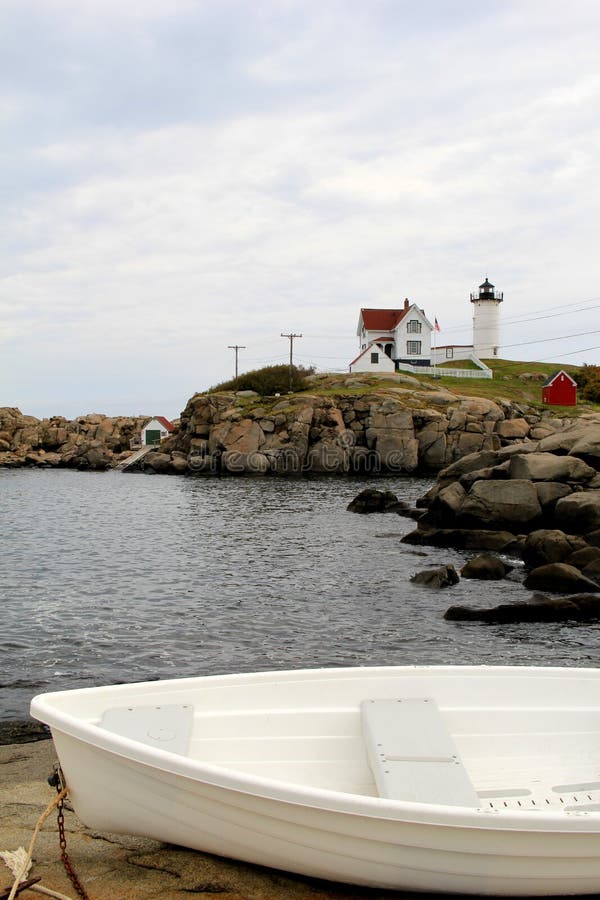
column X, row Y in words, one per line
column 340, row 425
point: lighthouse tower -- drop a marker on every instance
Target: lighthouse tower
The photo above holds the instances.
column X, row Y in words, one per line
column 486, row 320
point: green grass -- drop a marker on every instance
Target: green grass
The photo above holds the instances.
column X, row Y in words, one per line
column 505, row 384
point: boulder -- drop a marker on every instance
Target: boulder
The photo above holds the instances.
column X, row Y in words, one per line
column 448, row 502
column 592, row 570
column 391, row 434
column 513, row 429
column 559, row 578
column 502, row 470
column 549, row 545
column 237, row 462
column 179, row 464
column 587, row 447
column 328, row 457
column 485, row 568
column 561, row 441
column 583, row 557
column 538, row 609
column 579, row 512
column 549, row 492
column 441, row 577
column 548, row 467
column 372, row 500
column 157, row 462
column 497, row 503
column 468, row 463
column 461, row 538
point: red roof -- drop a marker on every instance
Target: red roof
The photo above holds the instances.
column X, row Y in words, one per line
column 382, row 319
column 552, row 378
column 168, row 425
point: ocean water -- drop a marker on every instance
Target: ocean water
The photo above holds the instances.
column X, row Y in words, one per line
column 109, row 577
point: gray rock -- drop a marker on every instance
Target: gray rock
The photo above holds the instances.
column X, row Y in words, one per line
column 442, row 577
column 448, row 502
column 494, row 503
column 372, row 500
column 468, row 463
column 549, row 545
column 461, row 538
column 485, row 568
column 549, row 492
column 239, row 463
column 513, row 429
column 328, row 457
column 578, row 513
column 548, row 467
column 157, row 462
column 538, row 609
column 587, row 447
column 583, row 557
column 559, row 578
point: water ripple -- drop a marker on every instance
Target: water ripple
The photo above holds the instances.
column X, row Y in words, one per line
column 110, row 577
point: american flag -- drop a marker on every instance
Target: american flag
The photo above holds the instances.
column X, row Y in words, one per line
column 437, row 326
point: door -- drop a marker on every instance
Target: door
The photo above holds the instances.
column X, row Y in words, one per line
column 152, row 436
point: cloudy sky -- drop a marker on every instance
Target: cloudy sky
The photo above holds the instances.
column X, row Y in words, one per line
column 182, row 175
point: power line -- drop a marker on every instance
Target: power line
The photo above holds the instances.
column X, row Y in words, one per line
column 548, row 340
column 573, row 352
column 518, row 319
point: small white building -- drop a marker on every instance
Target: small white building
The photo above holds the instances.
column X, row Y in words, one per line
column 373, row 359
column 156, row 430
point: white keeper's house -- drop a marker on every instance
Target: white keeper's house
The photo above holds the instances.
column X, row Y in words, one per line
column 402, row 339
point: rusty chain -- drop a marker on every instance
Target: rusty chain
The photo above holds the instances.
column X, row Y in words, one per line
column 59, row 781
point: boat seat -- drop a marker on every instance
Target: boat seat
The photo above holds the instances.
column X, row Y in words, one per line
column 167, row 727
column 413, row 755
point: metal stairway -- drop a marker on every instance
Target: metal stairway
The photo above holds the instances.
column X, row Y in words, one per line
column 125, row 463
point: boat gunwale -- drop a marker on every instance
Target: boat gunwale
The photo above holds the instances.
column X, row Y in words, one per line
column 566, row 822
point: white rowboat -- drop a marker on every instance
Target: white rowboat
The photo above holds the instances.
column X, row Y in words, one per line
column 469, row 779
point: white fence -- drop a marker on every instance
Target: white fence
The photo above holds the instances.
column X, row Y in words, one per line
column 437, row 372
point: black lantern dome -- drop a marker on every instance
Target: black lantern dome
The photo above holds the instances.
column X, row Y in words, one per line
column 487, row 291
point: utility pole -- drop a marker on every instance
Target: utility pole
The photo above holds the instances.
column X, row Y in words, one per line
column 236, row 347
column 291, row 339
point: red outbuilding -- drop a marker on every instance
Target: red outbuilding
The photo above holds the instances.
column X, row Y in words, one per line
column 560, row 390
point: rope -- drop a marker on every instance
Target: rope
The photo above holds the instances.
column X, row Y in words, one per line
column 27, row 860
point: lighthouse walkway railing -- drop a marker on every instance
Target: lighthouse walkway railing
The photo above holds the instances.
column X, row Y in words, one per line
column 438, row 372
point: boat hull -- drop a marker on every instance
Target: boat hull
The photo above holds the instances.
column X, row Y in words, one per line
column 118, row 787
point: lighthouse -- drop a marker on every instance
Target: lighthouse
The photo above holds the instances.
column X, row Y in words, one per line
column 486, row 320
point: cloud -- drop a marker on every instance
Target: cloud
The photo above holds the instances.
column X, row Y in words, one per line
column 178, row 177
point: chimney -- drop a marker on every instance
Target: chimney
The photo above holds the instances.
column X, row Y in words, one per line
column 406, row 303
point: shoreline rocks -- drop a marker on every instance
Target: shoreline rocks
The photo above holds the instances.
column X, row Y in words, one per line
column 89, row 443
column 542, row 505
column 408, row 427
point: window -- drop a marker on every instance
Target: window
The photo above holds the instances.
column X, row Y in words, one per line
column 449, row 352
column 413, row 348
column 413, row 327
column 374, row 359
